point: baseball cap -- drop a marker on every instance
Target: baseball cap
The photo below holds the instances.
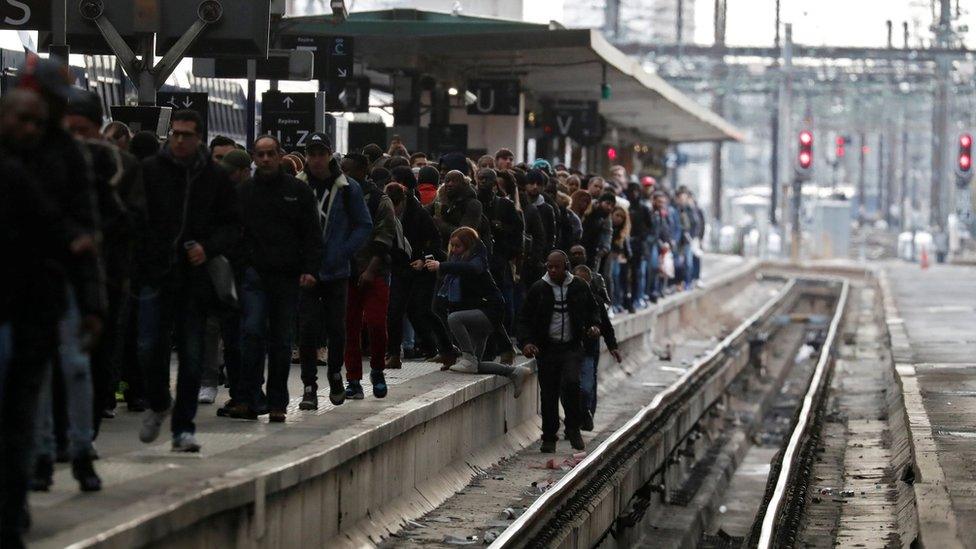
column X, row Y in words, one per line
column 318, row 139
column 648, row 181
column 48, row 76
column 236, row 160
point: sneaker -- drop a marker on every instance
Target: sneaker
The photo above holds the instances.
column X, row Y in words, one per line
column 393, row 363
column 548, row 447
column 207, row 395
column 43, row 476
column 576, row 441
column 310, row 398
column 465, row 365
column 276, row 416
column 508, row 357
column 379, row 383
column 518, row 379
column 354, row 391
column 108, row 413
column 224, row 411
column 337, row 393
column 185, row 442
column 84, row 472
column 586, row 424
column 151, row 424
column 242, row 411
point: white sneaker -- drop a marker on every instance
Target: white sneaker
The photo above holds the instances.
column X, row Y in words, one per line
column 207, row 395
column 151, row 424
column 185, row 442
column 518, row 379
column 465, row 365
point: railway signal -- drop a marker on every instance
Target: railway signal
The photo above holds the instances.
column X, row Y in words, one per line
column 804, row 157
column 964, row 160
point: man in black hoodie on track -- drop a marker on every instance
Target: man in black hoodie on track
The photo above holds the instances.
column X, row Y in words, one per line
column 282, row 250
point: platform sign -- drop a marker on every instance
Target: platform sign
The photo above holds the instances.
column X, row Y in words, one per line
column 447, row 139
column 288, row 116
column 499, row 97
column 25, row 14
column 348, row 95
column 340, row 58
column 195, row 101
column 579, row 120
column 333, row 55
column 242, row 30
column 280, row 65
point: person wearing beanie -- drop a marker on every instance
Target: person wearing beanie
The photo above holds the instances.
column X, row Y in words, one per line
column 238, row 165
column 380, row 177
column 428, row 179
column 404, row 176
column 455, row 161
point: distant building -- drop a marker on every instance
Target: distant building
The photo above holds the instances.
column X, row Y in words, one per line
column 652, row 21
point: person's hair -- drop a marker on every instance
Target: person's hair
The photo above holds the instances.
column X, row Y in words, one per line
column 458, row 176
column 581, row 196
column 417, row 155
column 267, row 136
column 617, row 167
column 624, row 233
column 504, row 153
column 113, row 129
column 487, row 173
column 222, row 141
column 583, row 272
column 186, row 115
column 290, row 165
column 144, row 144
column 562, row 188
column 506, row 180
column 396, row 162
column 396, row 192
column 594, row 179
column 373, row 152
column 380, row 176
column 359, row 161
column 608, row 197
column 487, row 160
column 573, row 178
column 398, row 150
column 468, row 237
column 563, row 199
column 658, row 194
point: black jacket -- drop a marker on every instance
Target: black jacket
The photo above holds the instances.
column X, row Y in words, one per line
column 420, row 232
column 547, row 214
column 536, row 313
column 507, row 226
column 183, row 203
column 477, row 287
column 533, row 262
column 282, row 234
column 463, row 210
column 597, row 236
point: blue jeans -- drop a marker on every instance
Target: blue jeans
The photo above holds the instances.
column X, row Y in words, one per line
column 588, row 373
column 654, row 285
column 618, row 274
column 166, row 310
column 270, row 308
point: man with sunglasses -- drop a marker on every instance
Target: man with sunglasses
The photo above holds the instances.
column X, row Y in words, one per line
column 191, row 217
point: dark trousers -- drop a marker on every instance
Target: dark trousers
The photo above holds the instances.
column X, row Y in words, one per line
column 132, row 373
column 322, row 321
column 230, row 334
column 559, row 380
column 107, row 355
column 26, row 353
column 411, row 295
column 269, row 307
column 168, row 310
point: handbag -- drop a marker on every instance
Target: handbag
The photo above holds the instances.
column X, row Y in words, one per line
column 222, row 276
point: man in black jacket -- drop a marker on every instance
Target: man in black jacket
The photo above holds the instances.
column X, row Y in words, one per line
column 640, row 229
column 460, row 208
column 506, row 229
column 535, row 183
column 191, row 216
column 558, row 314
column 281, row 248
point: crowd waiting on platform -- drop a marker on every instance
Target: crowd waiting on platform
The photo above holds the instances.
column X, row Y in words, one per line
column 245, row 260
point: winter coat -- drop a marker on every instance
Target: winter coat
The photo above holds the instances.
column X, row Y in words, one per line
column 383, row 236
column 466, row 284
column 536, row 313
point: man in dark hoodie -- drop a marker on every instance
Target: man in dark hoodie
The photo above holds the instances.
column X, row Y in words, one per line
column 559, row 313
column 346, row 225
column 192, row 216
column 281, row 250
column 535, row 184
column 458, row 207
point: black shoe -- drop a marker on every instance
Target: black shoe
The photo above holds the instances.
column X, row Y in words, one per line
column 42, row 479
column 137, row 405
column 310, row 399
column 548, row 447
column 576, row 441
column 224, row 411
column 337, row 393
column 587, row 423
column 379, row 383
column 84, row 472
column 354, row 391
column 277, row 416
column 242, row 411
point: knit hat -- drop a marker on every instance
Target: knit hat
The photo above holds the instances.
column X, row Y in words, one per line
column 236, row 160
column 428, row 175
column 542, row 164
column 380, row 176
column 404, row 176
column 454, row 161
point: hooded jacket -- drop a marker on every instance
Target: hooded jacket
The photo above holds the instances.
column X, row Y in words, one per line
column 460, row 210
column 535, row 321
column 467, row 284
column 346, row 223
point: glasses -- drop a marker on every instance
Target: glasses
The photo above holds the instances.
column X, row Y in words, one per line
column 176, row 135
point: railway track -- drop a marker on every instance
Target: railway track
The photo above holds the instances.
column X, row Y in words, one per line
column 642, row 463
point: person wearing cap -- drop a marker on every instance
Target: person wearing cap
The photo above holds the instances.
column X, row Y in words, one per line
column 346, row 226
column 192, row 217
column 281, row 250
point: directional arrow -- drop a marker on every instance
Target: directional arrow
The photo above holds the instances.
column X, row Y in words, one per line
column 341, row 72
column 187, row 103
column 172, row 101
column 287, row 101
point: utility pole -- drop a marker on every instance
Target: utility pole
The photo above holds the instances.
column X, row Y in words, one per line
column 940, row 189
column 882, row 194
column 774, row 126
column 611, row 19
column 862, row 154
column 785, row 118
column 718, row 106
column 903, row 195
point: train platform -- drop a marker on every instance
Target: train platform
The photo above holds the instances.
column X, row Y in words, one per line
column 931, row 316
column 339, row 476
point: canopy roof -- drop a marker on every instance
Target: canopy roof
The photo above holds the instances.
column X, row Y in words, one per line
column 552, row 63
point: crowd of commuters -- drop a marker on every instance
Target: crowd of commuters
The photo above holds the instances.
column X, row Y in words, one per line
column 245, row 260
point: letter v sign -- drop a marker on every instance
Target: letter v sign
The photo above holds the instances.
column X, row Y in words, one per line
column 564, row 123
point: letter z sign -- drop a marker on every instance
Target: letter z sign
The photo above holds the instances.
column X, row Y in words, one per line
column 25, row 14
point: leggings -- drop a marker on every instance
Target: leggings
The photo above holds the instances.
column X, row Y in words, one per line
column 471, row 329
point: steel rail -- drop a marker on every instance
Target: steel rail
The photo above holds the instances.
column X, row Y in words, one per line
column 548, row 503
column 775, row 506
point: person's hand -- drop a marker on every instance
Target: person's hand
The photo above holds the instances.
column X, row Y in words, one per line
column 615, row 353
column 306, row 281
column 90, row 330
column 196, row 255
column 530, row 351
column 432, row 265
column 366, row 278
column 83, row 244
column 417, row 265
column 593, row 332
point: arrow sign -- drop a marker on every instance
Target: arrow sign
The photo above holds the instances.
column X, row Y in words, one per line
column 287, row 101
column 579, row 120
column 341, row 72
column 290, row 118
column 194, row 101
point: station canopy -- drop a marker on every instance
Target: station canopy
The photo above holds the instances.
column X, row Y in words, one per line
column 552, row 63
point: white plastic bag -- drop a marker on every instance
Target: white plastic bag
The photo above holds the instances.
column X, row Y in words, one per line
column 667, row 264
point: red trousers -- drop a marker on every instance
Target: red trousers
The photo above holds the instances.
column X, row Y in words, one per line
column 367, row 304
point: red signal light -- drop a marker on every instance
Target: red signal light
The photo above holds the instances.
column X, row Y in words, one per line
column 806, row 138
column 966, row 140
column 965, row 159
column 805, row 160
column 965, row 162
column 804, row 157
column 611, row 154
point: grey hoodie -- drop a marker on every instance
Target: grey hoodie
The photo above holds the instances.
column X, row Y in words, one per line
column 560, row 326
